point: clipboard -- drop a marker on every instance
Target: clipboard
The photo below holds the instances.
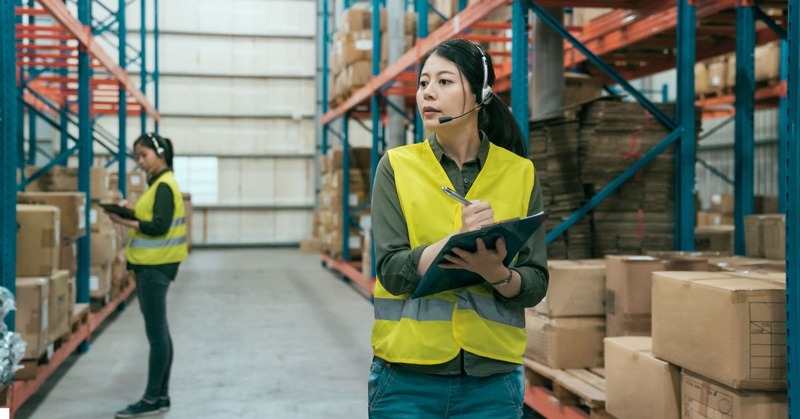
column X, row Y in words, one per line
column 515, row 232
column 121, row 211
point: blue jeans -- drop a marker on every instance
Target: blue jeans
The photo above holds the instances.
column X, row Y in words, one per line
column 398, row 393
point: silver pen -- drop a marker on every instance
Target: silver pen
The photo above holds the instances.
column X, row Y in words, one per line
column 453, row 194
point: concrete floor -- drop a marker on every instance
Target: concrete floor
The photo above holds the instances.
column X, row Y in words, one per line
column 261, row 333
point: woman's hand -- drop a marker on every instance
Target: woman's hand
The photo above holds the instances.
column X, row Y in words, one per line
column 123, row 221
column 487, row 263
column 125, row 204
column 475, row 216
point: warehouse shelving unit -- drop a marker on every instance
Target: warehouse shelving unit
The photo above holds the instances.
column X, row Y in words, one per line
column 637, row 39
column 54, row 68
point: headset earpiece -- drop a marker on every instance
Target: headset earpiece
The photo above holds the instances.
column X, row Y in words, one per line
column 156, row 143
column 485, row 95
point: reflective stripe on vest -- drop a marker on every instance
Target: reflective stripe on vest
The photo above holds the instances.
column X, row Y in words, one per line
column 435, row 328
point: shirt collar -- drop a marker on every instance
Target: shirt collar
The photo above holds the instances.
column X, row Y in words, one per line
column 155, row 178
column 483, row 150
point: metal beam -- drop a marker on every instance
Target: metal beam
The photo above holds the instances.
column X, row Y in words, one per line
column 685, row 152
column 77, row 29
column 744, row 134
column 85, row 154
column 520, row 105
column 792, row 208
column 8, row 152
column 122, row 115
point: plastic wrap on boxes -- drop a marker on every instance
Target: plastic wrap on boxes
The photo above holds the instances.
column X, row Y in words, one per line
column 12, row 346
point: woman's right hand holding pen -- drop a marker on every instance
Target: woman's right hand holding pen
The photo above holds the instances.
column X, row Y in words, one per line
column 476, row 215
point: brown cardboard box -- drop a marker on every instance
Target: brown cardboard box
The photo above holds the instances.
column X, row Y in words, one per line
column 359, row 158
column 580, row 88
column 104, row 247
column 714, row 238
column 701, row 77
column 702, row 398
column 100, row 281
column 628, row 325
column 136, row 181
column 359, row 19
column 71, row 204
column 41, row 183
column 722, row 203
column 355, row 243
column 717, row 73
column 99, row 220
column 68, row 258
column 628, row 283
column 577, row 288
column 725, row 326
column 32, row 313
column 38, row 240
column 754, row 233
column 774, row 237
column 639, row 385
column 767, row 59
column 706, row 218
column 566, row 342
column 59, row 308
column 65, row 179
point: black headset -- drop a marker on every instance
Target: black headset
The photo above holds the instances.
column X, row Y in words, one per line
column 156, row 143
column 485, row 95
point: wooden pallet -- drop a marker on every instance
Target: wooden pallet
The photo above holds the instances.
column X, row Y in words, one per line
column 582, row 388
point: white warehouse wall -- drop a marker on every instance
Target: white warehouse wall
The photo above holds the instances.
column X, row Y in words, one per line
column 237, row 84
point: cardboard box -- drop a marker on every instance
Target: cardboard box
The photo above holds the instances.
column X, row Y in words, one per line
column 700, row 77
column 59, row 308
column 706, row 218
column 100, row 281
column 774, row 237
column 136, row 181
column 702, row 398
column 717, row 74
column 71, row 204
column 725, row 326
column 755, row 235
column 65, row 179
column 628, row 325
column 577, row 288
column 767, row 60
column 32, row 298
column 359, row 19
column 68, row 258
column 38, row 241
column 628, row 283
column 99, row 220
column 565, row 342
column 722, row 203
column 103, row 247
column 714, row 238
column 580, row 88
column 639, row 385
column 41, row 183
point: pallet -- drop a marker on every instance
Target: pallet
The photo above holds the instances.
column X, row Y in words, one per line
column 97, row 303
column 584, row 389
column 31, row 366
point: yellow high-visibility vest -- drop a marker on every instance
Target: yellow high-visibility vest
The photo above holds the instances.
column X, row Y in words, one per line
column 432, row 330
column 158, row 250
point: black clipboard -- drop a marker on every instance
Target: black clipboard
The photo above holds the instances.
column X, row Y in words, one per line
column 121, row 211
column 515, row 232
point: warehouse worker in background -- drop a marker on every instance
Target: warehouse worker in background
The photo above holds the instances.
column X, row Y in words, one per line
column 156, row 246
column 457, row 353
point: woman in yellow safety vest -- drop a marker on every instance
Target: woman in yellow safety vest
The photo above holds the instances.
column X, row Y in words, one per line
column 456, row 353
column 156, row 246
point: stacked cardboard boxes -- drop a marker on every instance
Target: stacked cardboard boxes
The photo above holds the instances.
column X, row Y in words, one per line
column 718, row 75
column 567, row 328
column 553, row 150
column 331, row 198
column 765, row 236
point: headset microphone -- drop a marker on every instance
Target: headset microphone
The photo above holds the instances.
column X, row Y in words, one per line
column 446, row 119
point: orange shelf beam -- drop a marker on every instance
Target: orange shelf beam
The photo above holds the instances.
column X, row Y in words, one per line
column 351, row 272
column 468, row 17
column 61, row 14
column 546, row 404
column 765, row 93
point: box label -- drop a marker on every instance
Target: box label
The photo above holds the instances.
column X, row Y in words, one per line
column 94, row 283
column 767, row 341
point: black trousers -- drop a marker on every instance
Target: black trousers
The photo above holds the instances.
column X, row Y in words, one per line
column 151, row 287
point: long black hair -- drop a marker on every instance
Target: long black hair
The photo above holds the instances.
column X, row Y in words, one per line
column 494, row 118
column 155, row 142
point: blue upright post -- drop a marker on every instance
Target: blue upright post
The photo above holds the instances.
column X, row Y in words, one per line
column 685, row 152
column 8, row 152
column 156, row 75
column 421, row 7
column 520, row 106
column 122, row 157
column 783, row 118
column 325, row 69
column 345, row 187
column 85, row 153
column 374, row 110
column 792, row 209
column 63, row 112
column 744, row 145
column 143, row 60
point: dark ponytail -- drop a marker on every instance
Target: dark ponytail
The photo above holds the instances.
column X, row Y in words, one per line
column 169, row 151
column 494, row 117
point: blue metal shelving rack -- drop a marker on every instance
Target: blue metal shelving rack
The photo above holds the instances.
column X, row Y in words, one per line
column 12, row 100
